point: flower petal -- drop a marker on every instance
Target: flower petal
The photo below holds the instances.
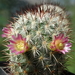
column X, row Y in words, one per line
column 10, row 45
column 13, row 51
column 22, row 51
column 12, row 41
column 13, row 37
column 19, row 37
column 3, row 35
column 61, row 36
column 11, row 48
column 17, row 52
column 62, row 51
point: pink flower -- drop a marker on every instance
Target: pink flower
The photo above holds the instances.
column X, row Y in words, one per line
column 18, row 44
column 7, row 31
column 60, row 44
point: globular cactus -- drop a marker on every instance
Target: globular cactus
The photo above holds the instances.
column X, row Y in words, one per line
column 38, row 40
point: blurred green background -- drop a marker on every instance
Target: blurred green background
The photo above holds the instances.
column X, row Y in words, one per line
column 8, row 9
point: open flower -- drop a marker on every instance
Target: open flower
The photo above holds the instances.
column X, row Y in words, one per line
column 7, row 31
column 60, row 44
column 18, row 44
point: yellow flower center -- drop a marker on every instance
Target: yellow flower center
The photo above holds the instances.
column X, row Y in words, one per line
column 20, row 45
column 59, row 44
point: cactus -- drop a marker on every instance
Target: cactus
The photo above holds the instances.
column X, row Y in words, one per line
column 38, row 40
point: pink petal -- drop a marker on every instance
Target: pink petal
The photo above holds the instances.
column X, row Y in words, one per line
column 61, row 36
column 13, row 37
column 24, row 39
column 62, row 51
column 26, row 47
column 17, row 52
column 5, row 29
column 68, row 44
column 3, row 35
column 10, row 45
column 13, row 51
column 11, row 48
column 65, row 40
column 56, row 37
column 12, row 41
column 65, row 50
column 19, row 37
column 22, row 51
